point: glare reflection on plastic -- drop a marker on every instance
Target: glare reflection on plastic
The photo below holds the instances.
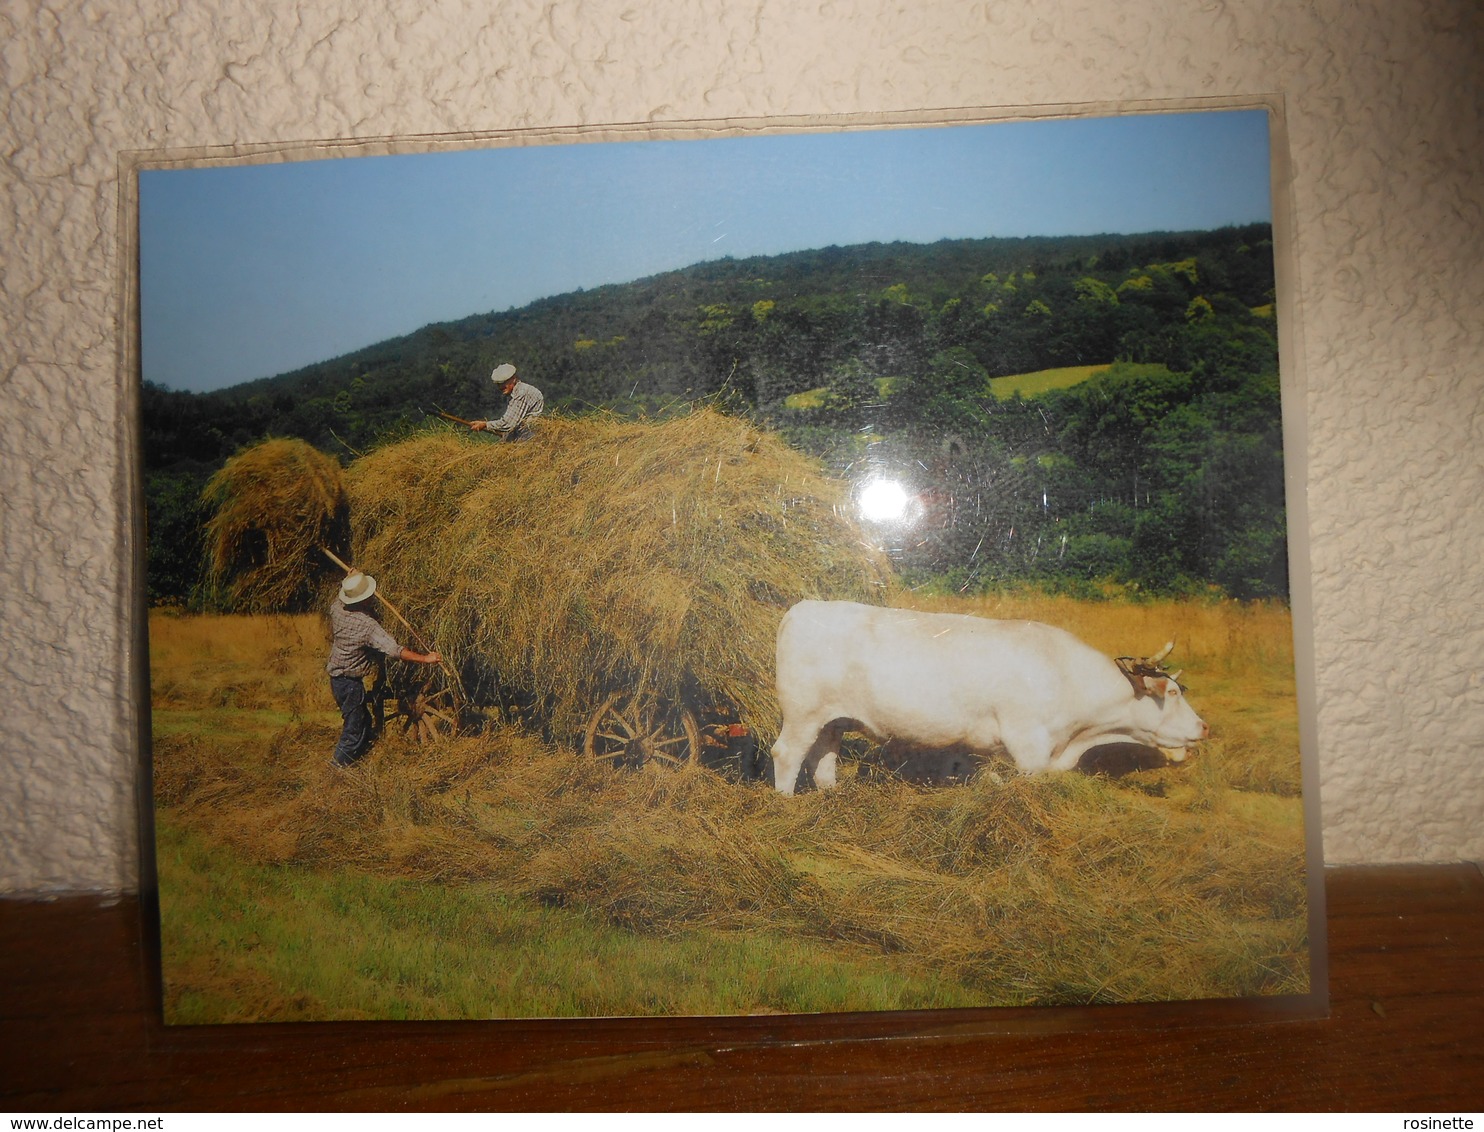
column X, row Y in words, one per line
column 884, row 501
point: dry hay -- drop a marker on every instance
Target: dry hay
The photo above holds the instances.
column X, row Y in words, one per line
column 277, row 506
column 605, row 555
column 1048, row 888
column 601, row 555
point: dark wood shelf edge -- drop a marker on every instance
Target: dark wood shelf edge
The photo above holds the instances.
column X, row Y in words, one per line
column 1401, row 1031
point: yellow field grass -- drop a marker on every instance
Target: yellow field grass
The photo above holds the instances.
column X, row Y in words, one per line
column 273, row 664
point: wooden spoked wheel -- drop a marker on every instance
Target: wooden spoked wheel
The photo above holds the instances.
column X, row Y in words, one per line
column 427, row 708
column 631, row 730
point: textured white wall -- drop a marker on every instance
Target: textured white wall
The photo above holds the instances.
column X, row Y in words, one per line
column 1384, row 110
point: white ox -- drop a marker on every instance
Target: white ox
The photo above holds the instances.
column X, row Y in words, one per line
column 948, row 681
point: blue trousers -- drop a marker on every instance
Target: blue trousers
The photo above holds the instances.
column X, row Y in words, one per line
column 355, row 735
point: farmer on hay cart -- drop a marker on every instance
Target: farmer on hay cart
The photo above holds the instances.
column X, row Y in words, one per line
column 521, row 411
column 358, row 637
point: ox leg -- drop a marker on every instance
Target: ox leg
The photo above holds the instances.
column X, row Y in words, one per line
column 1072, row 755
column 824, row 756
column 795, row 750
column 788, row 753
column 1031, row 749
column 824, row 773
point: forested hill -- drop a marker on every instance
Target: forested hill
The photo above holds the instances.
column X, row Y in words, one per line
column 772, row 326
column 898, row 340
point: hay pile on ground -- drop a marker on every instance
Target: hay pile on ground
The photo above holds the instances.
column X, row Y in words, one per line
column 1051, row 888
column 606, row 555
column 276, row 507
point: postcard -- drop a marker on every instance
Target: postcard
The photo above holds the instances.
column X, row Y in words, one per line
column 726, row 569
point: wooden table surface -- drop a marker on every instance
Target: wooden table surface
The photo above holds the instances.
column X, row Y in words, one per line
column 80, row 1031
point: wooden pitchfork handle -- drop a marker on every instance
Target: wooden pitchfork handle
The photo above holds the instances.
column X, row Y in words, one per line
column 395, row 611
column 451, row 417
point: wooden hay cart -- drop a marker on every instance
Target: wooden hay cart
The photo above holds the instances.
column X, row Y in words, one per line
column 616, row 584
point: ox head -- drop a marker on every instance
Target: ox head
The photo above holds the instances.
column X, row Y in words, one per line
column 1161, row 705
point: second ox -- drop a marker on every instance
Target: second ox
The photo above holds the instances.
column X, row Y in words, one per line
column 939, row 681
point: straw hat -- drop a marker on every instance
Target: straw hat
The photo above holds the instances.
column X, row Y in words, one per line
column 357, row 587
column 502, row 373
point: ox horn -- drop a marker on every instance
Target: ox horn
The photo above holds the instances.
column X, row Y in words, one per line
column 1164, row 652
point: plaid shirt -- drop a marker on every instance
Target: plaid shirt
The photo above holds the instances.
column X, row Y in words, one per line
column 357, row 635
column 525, row 406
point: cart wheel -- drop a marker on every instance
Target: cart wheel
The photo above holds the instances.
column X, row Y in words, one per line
column 632, row 730
column 427, row 712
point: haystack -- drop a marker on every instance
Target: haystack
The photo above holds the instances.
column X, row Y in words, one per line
column 601, row 555
column 605, row 555
column 276, row 508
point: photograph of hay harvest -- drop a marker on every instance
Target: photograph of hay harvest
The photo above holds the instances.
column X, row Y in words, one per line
column 789, row 572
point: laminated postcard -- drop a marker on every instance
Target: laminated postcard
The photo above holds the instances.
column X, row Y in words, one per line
column 726, row 569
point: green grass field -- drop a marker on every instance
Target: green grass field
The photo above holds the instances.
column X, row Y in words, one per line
column 502, row 876
column 816, row 398
column 246, row 942
column 1003, row 388
column 1042, row 381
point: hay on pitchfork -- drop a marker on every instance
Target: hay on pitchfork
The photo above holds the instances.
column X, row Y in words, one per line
column 277, row 506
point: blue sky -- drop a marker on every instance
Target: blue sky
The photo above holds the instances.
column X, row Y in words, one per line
column 250, row 271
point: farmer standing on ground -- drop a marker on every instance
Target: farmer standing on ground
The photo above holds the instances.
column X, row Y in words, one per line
column 358, row 637
column 524, row 407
